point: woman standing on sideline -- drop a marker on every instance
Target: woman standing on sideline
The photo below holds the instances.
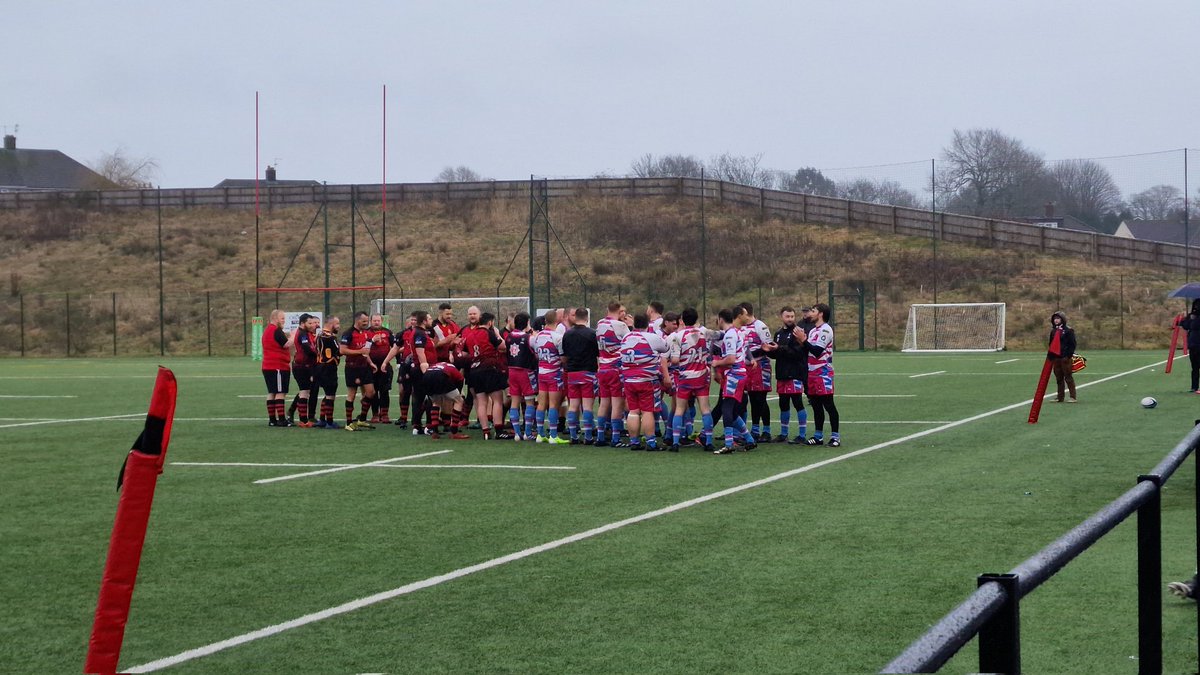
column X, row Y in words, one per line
column 1061, row 361
column 1191, row 323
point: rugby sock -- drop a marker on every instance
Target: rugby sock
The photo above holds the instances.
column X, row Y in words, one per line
column 676, row 428
column 588, row 425
column 349, row 411
column 530, row 420
column 689, row 420
column 458, row 420
column 292, row 408
column 303, row 409
column 271, row 410
column 312, row 405
column 754, row 428
column 403, row 408
column 835, row 436
column 651, row 442
column 618, row 425
column 818, row 435
column 785, row 418
column 540, row 418
column 435, row 417
column 802, row 421
column 707, row 430
column 327, row 409
column 552, row 421
column 573, row 424
column 601, row 428
column 366, row 407
column 514, row 418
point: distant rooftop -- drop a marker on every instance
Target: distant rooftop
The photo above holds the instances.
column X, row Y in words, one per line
column 22, row 169
column 270, row 181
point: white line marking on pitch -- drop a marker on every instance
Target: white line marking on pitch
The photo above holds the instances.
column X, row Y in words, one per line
column 895, row 421
column 549, row 546
column 34, row 396
column 77, row 419
column 379, row 466
column 936, row 372
column 335, row 469
column 876, row 395
column 1008, row 361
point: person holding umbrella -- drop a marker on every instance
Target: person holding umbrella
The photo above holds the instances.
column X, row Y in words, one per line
column 1191, row 323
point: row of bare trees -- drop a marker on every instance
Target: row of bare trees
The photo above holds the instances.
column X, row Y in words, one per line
column 982, row 172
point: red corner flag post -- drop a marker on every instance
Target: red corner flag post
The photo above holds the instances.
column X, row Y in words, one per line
column 1040, row 394
column 136, row 483
column 1174, row 341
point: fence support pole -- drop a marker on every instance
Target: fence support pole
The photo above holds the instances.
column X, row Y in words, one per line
column 1149, row 538
column 245, row 327
column 114, row 317
column 1000, row 636
column 21, row 302
column 68, row 323
column 208, row 319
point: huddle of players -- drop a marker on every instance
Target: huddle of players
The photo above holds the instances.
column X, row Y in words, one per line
column 623, row 368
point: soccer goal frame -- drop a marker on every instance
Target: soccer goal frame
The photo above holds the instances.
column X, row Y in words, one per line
column 955, row 327
column 397, row 309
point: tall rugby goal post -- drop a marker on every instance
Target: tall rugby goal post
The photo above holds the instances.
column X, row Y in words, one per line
column 955, row 327
column 398, row 309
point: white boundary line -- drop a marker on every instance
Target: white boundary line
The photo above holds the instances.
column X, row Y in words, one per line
column 76, row 419
column 347, row 467
column 378, row 466
column 1008, row 361
column 936, row 372
column 549, row 546
column 35, row 396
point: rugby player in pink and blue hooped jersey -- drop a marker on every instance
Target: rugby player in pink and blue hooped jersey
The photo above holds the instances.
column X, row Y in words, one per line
column 610, row 412
column 733, row 322
column 820, row 376
column 758, row 374
column 689, row 353
column 547, row 345
column 642, row 366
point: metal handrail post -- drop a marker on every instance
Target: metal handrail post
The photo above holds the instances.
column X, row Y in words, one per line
column 1000, row 636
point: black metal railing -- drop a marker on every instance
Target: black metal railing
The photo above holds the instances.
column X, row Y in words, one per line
column 993, row 611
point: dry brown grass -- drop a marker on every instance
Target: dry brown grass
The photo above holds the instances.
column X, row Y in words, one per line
column 634, row 249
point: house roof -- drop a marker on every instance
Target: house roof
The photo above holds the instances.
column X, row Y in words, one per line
column 22, row 169
column 1167, row 231
column 249, row 183
column 1062, row 222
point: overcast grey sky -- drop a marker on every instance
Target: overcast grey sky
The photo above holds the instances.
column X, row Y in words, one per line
column 566, row 88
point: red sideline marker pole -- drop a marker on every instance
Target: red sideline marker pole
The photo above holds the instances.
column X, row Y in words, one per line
column 136, row 483
column 1055, row 349
column 1174, row 341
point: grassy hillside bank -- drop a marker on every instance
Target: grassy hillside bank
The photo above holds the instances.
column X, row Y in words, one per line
column 634, row 249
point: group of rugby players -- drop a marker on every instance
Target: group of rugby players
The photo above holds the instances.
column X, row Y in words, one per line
column 634, row 381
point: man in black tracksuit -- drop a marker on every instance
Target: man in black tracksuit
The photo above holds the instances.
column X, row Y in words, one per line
column 791, row 370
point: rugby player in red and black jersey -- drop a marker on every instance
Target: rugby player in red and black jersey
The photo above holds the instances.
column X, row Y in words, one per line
column 445, row 332
column 424, row 353
column 402, row 354
column 488, row 374
column 443, row 382
column 303, row 361
column 276, row 367
column 325, row 374
column 381, row 345
column 360, row 371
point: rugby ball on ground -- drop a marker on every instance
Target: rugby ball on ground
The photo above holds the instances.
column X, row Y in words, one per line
column 1149, row 402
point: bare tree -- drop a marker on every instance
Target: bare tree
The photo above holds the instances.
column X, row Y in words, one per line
column 741, row 169
column 878, row 192
column 988, row 173
column 673, row 166
column 809, row 181
column 1084, row 189
column 1160, row 202
column 125, row 171
column 458, row 174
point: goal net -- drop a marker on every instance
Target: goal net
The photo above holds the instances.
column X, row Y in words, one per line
column 955, row 327
column 398, row 309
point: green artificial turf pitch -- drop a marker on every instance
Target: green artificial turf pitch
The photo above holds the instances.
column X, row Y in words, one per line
column 834, row 569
